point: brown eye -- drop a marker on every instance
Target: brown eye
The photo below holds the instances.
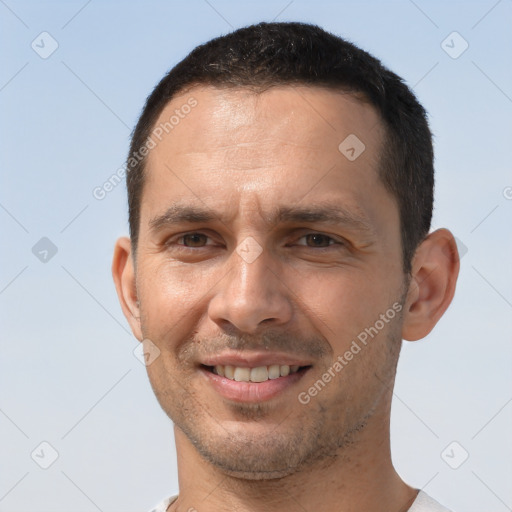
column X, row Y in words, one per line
column 318, row 240
column 194, row 240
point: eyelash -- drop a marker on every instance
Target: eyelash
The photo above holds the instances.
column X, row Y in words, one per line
column 184, row 247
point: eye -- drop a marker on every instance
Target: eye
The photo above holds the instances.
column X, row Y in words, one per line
column 318, row 240
column 192, row 240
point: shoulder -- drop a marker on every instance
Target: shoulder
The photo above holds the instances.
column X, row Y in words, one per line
column 424, row 503
column 164, row 504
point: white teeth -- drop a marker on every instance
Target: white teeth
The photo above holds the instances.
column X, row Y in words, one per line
column 259, row 374
column 285, row 370
column 256, row 374
column 242, row 374
column 274, row 372
column 229, row 372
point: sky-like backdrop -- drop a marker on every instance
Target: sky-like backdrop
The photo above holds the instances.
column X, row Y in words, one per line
column 80, row 427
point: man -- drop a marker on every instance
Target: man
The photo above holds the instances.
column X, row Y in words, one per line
column 280, row 185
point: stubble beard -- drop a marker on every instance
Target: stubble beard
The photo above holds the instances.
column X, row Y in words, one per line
column 317, row 434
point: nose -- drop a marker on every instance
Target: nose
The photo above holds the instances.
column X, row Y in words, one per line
column 251, row 294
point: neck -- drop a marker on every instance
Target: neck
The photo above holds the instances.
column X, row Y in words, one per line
column 358, row 477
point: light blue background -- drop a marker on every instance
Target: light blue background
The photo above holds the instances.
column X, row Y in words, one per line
column 67, row 373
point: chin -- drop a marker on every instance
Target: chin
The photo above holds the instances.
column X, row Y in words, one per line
column 252, row 453
column 253, row 466
column 258, row 475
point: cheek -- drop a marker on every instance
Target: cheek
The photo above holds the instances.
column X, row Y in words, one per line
column 169, row 296
column 339, row 303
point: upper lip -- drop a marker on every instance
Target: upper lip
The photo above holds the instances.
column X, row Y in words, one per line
column 254, row 359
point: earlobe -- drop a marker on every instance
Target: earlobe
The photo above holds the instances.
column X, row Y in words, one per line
column 123, row 272
column 435, row 268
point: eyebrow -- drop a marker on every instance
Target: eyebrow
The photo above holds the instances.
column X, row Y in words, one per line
column 179, row 214
column 323, row 213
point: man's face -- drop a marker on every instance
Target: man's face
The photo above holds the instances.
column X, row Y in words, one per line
column 262, row 245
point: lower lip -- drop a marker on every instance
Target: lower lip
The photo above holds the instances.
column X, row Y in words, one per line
column 252, row 392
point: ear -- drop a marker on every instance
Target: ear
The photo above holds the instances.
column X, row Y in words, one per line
column 435, row 268
column 123, row 272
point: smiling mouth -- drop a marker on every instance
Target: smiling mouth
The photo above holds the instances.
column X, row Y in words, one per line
column 256, row 374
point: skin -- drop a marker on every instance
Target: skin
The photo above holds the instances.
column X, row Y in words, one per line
column 243, row 155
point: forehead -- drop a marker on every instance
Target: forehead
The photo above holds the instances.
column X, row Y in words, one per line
column 310, row 117
column 213, row 144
